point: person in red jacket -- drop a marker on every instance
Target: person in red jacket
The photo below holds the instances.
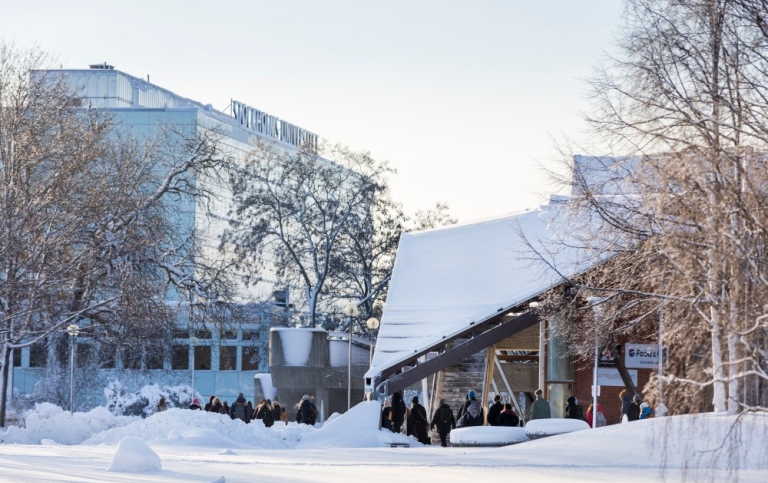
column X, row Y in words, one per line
column 600, row 415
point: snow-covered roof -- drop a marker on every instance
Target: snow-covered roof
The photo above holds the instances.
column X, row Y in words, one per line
column 446, row 280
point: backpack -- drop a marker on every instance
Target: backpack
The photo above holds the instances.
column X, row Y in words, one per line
column 445, row 415
column 309, row 413
column 580, row 412
column 601, row 419
column 472, row 409
column 269, row 418
column 240, row 411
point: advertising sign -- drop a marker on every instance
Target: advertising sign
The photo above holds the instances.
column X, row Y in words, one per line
column 641, row 356
column 607, row 376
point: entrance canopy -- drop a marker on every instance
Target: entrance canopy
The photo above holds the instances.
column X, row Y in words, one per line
column 447, row 280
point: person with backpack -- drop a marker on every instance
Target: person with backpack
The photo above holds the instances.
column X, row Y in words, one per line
column 601, row 421
column 493, row 412
column 473, row 416
column 239, row 410
column 419, row 422
column 463, row 409
column 629, row 407
column 444, row 421
column 307, row 413
column 398, row 412
column 574, row 410
column 264, row 412
column 278, row 412
column 507, row 417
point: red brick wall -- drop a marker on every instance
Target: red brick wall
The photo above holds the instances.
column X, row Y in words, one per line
column 609, row 395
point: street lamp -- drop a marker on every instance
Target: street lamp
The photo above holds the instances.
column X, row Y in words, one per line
column 350, row 310
column 72, row 330
column 373, row 324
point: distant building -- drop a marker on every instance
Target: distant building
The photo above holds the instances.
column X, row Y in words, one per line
column 223, row 363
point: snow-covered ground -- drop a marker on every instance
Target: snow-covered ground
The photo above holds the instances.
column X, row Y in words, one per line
column 181, row 445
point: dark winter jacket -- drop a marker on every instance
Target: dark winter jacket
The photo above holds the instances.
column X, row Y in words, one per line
column 629, row 407
column 307, row 413
column 264, row 412
column 443, row 419
column 493, row 413
column 398, row 410
column 420, row 423
column 574, row 410
column 507, row 418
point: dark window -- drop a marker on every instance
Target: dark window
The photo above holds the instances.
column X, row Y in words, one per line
column 230, row 334
column 180, row 357
column 203, row 334
column 107, row 356
column 249, row 335
column 203, row 358
column 16, row 357
column 131, row 358
column 181, row 334
column 250, row 358
column 228, row 358
column 37, row 354
column 154, row 358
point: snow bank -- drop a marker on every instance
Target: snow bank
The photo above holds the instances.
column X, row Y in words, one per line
column 541, row 428
column 133, row 455
column 487, row 436
column 357, row 428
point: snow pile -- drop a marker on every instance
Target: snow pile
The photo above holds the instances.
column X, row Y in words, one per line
column 541, row 428
column 133, row 455
column 49, row 422
column 487, row 436
column 357, row 428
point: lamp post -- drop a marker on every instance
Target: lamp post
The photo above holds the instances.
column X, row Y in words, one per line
column 373, row 324
column 72, row 330
column 350, row 310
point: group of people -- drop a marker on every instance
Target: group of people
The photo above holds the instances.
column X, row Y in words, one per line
column 267, row 411
column 395, row 414
column 633, row 408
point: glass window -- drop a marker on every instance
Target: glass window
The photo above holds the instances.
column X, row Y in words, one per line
column 250, row 335
column 154, row 358
column 181, row 334
column 180, row 357
column 37, row 354
column 203, row 334
column 228, row 358
column 229, row 334
column 16, row 357
column 250, row 358
column 203, row 358
column 107, row 356
column 131, row 359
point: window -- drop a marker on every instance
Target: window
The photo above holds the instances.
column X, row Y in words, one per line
column 131, row 359
column 230, row 334
column 181, row 334
column 180, row 357
column 107, row 356
column 203, row 334
column 250, row 358
column 228, row 358
column 16, row 357
column 37, row 354
column 154, row 358
column 203, row 358
column 250, row 335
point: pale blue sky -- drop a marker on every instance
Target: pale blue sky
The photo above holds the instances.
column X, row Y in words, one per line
column 462, row 97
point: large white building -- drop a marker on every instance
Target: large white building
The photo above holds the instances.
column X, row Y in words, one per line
column 224, row 362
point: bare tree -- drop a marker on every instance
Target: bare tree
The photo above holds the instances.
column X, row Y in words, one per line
column 90, row 226
column 683, row 208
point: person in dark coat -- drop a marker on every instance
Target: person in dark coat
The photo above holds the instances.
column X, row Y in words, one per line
column 398, row 412
column 419, row 422
column 473, row 416
column 307, row 413
column 540, row 408
column 209, row 403
column 495, row 410
column 628, row 406
column 217, row 407
column 195, row 404
column 444, row 421
column 574, row 410
column 264, row 412
column 507, row 417
column 386, row 415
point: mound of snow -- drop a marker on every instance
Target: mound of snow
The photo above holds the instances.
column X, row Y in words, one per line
column 133, row 455
column 357, row 428
column 487, row 436
column 541, row 428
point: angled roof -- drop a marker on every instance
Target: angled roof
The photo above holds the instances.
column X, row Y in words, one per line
column 446, row 280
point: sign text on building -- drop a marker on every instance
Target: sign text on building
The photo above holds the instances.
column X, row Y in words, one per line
column 272, row 126
column 607, row 376
column 641, row 356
